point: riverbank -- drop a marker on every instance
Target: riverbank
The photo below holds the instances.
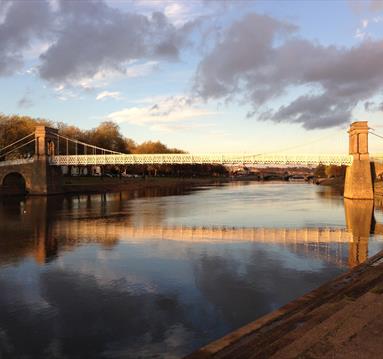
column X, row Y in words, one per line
column 113, row 184
column 105, row 184
column 341, row 319
column 336, row 182
column 110, row 184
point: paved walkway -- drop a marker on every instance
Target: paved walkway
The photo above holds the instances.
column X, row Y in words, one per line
column 341, row 319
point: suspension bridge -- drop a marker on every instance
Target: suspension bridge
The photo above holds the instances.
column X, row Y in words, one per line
column 46, row 150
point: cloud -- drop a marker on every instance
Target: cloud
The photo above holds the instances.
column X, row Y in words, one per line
column 372, row 106
column 162, row 115
column 81, row 39
column 180, row 12
column 362, row 31
column 94, row 36
column 163, row 127
column 366, row 6
column 25, row 101
column 23, row 21
column 375, row 5
column 260, row 60
column 143, row 69
column 107, row 94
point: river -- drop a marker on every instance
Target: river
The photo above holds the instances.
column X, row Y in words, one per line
column 159, row 273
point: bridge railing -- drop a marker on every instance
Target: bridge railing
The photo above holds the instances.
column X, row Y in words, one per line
column 221, row 159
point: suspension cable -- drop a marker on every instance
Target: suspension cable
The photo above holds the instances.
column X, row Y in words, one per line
column 302, row 144
column 375, row 134
column 88, row 145
column 18, row 147
column 21, row 139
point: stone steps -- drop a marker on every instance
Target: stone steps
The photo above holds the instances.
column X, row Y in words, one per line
column 338, row 320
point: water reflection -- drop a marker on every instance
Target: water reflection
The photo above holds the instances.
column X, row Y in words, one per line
column 360, row 223
column 127, row 276
column 41, row 233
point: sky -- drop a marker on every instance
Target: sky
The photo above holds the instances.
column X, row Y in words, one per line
column 201, row 75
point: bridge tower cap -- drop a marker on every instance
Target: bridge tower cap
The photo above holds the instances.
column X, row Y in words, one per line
column 45, row 129
column 359, row 124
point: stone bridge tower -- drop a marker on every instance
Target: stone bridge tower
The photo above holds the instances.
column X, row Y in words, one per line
column 36, row 176
column 45, row 178
column 358, row 183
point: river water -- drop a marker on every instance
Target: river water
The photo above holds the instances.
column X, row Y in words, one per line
column 159, row 273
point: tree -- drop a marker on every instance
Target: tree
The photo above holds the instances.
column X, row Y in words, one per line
column 320, row 171
column 107, row 135
column 335, row 171
column 130, row 145
column 155, row 147
column 13, row 128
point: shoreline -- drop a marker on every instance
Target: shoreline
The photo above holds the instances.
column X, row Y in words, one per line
column 86, row 185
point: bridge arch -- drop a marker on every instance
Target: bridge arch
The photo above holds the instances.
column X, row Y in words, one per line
column 14, row 183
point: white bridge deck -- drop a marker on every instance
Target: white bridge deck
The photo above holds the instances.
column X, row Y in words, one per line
column 219, row 159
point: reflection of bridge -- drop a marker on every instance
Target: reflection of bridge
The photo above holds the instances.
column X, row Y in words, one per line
column 53, row 150
column 47, row 235
column 97, row 229
column 320, row 243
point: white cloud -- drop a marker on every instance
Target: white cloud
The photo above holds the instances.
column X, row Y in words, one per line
column 164, row 127
column 162, row 115
column 104, row 77
column 143, row 69
column 107, row 94
column 179, row 13
column 63, row 94
column 360, row 34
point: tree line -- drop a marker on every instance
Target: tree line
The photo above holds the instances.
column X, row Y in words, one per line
column 106, row 135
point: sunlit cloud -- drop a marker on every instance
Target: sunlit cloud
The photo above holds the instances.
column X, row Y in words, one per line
column 161, row 115
column 108, row 94
column 144, row 69
column 345, row 76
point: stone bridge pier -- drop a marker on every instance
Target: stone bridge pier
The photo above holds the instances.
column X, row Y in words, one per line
column 358, row 182
column 34, row 175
